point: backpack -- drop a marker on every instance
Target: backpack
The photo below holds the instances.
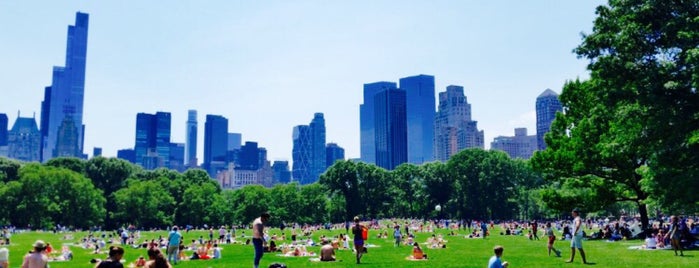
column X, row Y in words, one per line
column 365, row 233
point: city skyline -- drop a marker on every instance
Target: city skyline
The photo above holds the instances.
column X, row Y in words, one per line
column 503, row 54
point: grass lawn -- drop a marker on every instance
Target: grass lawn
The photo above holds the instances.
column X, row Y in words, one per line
column 460, row 252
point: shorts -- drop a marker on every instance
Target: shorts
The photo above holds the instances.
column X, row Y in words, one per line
column 576, row 242
column 220, row 237
column 552, row 239
column 359, row 242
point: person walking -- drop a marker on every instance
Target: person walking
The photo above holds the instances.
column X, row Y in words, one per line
column 675, row 234
column 576, row 241
column 173, row 245
column 535, row 230
column 258, row 232
column 357, row 231
column 552, row 239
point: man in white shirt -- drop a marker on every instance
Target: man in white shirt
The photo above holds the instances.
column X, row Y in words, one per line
column 258, row 232
column 576, row 241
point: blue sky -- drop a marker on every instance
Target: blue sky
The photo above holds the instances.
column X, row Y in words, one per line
column 270, row 65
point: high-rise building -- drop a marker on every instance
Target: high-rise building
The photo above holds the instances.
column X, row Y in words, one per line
column 190, row 154
column 454, row 129
column 366, row 120
column 309, row 150
column 282, row 174
column 177, row 157
column 390, row 128
column 24, row 140
column 96, row 151
column 249, row 158
column 3, row 129
column 152, row 145
column 519, row 146
column 333, row 153
column 62, row 109
column 547, row 104
column 419, row 113
column 127, row 154
column 234, row 141
column 215, row 143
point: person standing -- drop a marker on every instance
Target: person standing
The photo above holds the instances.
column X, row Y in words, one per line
column 484, row 229
column 357, row 230
column 258, row 232
column 576, row 241
column 674, row 235
column 173, row 245
column 36, row 258
column 535, row 230
column 552, row 239
column 495, row 261
column 397, row 235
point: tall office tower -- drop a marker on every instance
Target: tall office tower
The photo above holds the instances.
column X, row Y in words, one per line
column 234, row 141
column 127, row 154
column 3, row 129
column 249, row 156
column 454, row 130
column 24, row 140
column 215, row 143
column 547, row 104
column 390, row 128
column 366, row 120
column 419, row 113
column 281, row 172
column 190, row 154
column 519, row 146
column 96, row 151
column 308, row 152
column 152, row 146
column 333, row 153
column 177, row 157
column 62, row 109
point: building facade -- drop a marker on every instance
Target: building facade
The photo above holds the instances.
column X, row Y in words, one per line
column 419, row 114
column 333, row 153
column 547, row 105
column 390, row 128
column 520, row 145
column 282, row 174
column 190, row 149
column 366, row 120
column 152, row 147
column 454, row 128
column 62, row 132
column 215, row 143
column 24, row 140
column 308, row 151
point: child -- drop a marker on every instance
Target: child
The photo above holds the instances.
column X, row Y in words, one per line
column 495, row 260
column 552, row 239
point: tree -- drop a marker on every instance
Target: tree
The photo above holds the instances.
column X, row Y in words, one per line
column 201, row 204
column 109, row 175
column 342, row 178
column 9, row 169
column 143, row 203
column 408, row 189
column 439, row 186
column 71, row 163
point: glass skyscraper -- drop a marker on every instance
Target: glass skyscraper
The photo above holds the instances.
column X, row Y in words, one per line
column 419, row 113
column 3, row 129
column 366, row 120
column 454, row 129
column 215, row 143
column 152, row 146
column 333, row 153
column 62, row 132
column 308, row 152
column 547, row 105
column 390, row 128
column 190, row 154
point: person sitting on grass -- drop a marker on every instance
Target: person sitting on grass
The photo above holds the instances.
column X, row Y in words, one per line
column 4, row 257
column 327, row 252
column 156, row 259
column 418, row 254
column 114, row 260
column 141, row 262
column 216, row 251
column 36, row 258
column 495, row 261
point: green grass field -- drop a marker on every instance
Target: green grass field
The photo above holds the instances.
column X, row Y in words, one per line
column 460, row 252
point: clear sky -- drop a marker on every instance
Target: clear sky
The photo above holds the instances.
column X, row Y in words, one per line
column 270, row 65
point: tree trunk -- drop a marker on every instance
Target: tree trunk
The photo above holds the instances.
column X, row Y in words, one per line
column 643, row 210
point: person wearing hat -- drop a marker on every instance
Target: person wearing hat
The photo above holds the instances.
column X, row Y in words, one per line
column 36, row 258
column 577, row 233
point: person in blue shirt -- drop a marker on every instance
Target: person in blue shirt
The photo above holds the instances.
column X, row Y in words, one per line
column 495, row 261
column 484, row 229
column 173, row 245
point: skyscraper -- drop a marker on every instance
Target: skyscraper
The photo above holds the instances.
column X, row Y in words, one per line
column 62, row 109
column 454, row 130
column 390, row 128
column 281, row 172
column 234, row 141
column 190, row 154
column 366, row 120
column 519, row 146
column 96, row 151
column 3, row 129
column 24, row 140
column 250, row 156
column 419, row 113
column 333, row 153
column 127, row 154
column 152, row 147
column 547, row 104
column 308, row 152
column 177, row 156
column 215, row 143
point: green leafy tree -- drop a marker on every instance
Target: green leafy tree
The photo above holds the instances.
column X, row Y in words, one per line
column 408, row 190
column 439, row 186
column 144, row 204
column 109, row 175
column 70, row 163
column 201, row 204
column 248, row 202
column 314, row 204
column 9, row 169
column 342, row 178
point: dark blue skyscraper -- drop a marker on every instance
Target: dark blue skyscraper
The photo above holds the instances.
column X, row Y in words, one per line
column 3, row 129
column 152, row 146
column 547, row 104
column 190, row 154
column 281, row 172
column 390, row 128
column 62, row 108
column 366, row 120
column 249, row 156
column 215, row 143
column 333, row 153
column 309, row 150
column 127, row 154
column 177, row 157
column 420, row 114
